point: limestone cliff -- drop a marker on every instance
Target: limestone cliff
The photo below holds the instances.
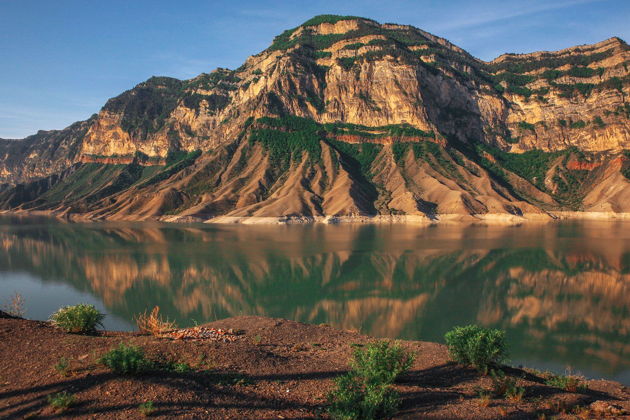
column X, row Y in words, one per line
column 343, row 116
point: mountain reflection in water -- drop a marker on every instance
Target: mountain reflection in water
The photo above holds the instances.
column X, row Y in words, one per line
column 560, row 290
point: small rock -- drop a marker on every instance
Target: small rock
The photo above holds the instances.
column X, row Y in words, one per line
column 603, row 407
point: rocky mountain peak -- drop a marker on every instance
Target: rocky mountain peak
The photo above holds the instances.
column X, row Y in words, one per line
column 344, row 116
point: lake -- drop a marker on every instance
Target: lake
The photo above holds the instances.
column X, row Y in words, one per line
column 561, row 290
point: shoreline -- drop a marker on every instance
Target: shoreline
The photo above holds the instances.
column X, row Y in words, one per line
column 276, row 368
column 422, row 220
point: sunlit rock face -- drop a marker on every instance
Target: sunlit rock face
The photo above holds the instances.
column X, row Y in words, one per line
column 343, row 116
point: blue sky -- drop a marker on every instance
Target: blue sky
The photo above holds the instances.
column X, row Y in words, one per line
column 60, row 60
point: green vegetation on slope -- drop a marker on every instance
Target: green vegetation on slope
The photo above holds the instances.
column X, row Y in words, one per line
column 286, row 40
column 87, row 179
column 517, row 65
column 511, row 74
column 146, row 107
column 287, row 138
column 395, row 130
column 175, row 163
column 363, row 153
column 625, row 168
column 318, row 20
column 531, row 165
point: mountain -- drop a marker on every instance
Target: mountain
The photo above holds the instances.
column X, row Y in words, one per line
column 346, row 117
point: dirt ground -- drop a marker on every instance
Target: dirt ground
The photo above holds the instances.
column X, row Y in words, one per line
column 277, row 369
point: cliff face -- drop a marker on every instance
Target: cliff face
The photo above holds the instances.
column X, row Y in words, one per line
column 342, row 117
column 41, row 154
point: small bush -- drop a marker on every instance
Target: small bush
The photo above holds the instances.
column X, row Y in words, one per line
column 477, row 346
column 381, row 362
column 62, row 367
column 153, row 323
column 599, row 122
column 179, row 367
column 568, row 383
column 578, row 124
column 126, row 359
column 485, row 398
column 367, row 392
column 81, row 319
column 505, row 386
column 524, row 125
column 146, row 408
column 352, row 399
column 515, row 393
column 61, row 401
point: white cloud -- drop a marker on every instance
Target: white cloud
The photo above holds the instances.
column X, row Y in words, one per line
column 508, row 11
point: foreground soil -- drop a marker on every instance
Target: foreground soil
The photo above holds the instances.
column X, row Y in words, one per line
column 277, row 369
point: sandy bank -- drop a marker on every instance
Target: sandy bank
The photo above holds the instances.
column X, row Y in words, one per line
column 487, row 219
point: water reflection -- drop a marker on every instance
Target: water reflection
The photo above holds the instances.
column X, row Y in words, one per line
column 559, row 289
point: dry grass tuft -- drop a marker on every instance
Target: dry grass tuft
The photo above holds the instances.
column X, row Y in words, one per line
column 16, row 306
column 153, row 323
column 485, row 398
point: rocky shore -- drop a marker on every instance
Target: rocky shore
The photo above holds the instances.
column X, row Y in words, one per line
column 490, row 218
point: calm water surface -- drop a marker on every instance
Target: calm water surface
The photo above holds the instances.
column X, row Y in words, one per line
column 560, row 290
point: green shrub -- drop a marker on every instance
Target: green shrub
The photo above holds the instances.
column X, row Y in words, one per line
column 82, row 318
column 381, row 362
column 578, row 124
column 581, row 72
column 367, row 392
column 126, row 359
column 520, row 90
column 323, row 54
column 354, row 46
column 319, row 19
column 568, row 383
column 477, row 346
column 524, row 125
column 179, row 367
column 514, row 79
column 61, row 401
column 146, row 408
column 352, row 399
column 569, row 91
column 551, row 74
column 505, row 386
column 346, row 62
column 599, row 122
column 62, row 367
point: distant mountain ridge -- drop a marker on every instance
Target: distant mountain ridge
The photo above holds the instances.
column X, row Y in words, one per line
column 345, row 117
